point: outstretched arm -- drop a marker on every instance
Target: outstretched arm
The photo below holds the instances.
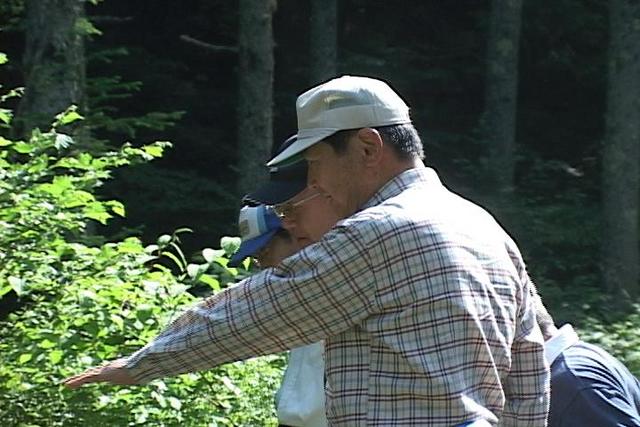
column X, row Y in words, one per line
column 308, row 297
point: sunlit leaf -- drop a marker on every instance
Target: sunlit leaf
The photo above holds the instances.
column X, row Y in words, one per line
column 5, row 115
column 62, row 141
column 24, row 358
column 55, row 356
column 193, row 270
column 153, row 150
column 117, row 208
column 164, row 240
column 46, row 344
column 210, row 255
column 174, row 402
column 17, row 285
column 23, row 147
column 96, row 211
column 230, row 244
column 211, row 281
column 68, row 116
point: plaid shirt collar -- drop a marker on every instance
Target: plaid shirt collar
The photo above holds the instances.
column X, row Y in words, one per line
column 416, row 176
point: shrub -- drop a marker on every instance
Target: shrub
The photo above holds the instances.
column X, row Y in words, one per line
column 84, row 300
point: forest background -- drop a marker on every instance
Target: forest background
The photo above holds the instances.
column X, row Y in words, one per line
column 529, row 108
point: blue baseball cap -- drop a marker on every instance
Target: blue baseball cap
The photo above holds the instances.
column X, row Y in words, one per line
column 285, row 180
column 257, row 225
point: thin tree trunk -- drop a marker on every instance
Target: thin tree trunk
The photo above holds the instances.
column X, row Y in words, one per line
column 501, row 91
column 255, row 91
column 323, row 40
column 621, row 151
column 54, row 62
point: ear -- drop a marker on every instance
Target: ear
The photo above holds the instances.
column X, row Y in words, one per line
column 371, row 146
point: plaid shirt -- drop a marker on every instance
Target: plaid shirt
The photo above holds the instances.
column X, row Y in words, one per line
column 424, row 303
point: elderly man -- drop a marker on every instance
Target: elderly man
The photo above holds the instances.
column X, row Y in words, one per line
column 422, row 299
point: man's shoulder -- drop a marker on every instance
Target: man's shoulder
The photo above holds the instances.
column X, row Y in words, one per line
column 591, row 365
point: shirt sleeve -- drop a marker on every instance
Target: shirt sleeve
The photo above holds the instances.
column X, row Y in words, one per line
column 321, row 291
column 527, row 387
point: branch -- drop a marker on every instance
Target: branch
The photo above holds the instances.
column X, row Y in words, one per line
column 110, row 19
column 209, row 46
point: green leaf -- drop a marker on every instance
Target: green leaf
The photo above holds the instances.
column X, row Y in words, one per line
column 5, row 290
column 96, row 211
column 175, row 259
column 70, row 117
column 153, row 150
column 211, row 281
column 117, row 320
column 159, row 398
column 163, row 240
column 130, row 246
column 150, row 249
column 55, row 356
column 46, row 344
column 231, row 386
column 59, row 185
column 116, row 207
column 5, row 115
column 144, row 312
column 230, row 244
column 24, row 358
column 174, row 402
column 62, row 141
column 17, row 285
column 5, row 142
column 85, row 27
column 210, row 255
column 22, row 147
column 194, row 270
column 3, row 58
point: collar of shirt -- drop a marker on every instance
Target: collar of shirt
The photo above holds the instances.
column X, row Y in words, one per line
column 562, row 340
column 401, row 182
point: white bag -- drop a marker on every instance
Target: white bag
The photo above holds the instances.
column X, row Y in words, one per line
column 300, row 400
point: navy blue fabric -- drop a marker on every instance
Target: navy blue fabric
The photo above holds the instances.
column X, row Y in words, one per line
column 589, row 387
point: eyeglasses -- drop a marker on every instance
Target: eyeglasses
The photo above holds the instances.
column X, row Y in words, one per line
column 285, row 210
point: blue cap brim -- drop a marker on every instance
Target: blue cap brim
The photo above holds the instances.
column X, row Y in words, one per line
column 250, row 247
column 276, row 191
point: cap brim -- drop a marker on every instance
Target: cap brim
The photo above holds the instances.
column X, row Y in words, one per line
column 306, row 138
column 250, row 247
column 276, row 191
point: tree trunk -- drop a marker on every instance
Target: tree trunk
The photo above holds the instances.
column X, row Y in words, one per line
column 323, row 40
column 255, row 92
column 501, row 92
column 54, row 62
column 621, row 151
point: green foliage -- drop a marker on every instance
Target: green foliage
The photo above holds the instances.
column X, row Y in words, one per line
column 619, row 333
column 84, row 300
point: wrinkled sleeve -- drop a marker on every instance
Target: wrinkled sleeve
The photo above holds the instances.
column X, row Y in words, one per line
column 322, row 290
column 528, row 384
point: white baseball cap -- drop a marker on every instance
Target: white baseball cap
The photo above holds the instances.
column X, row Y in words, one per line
column 347, row 102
